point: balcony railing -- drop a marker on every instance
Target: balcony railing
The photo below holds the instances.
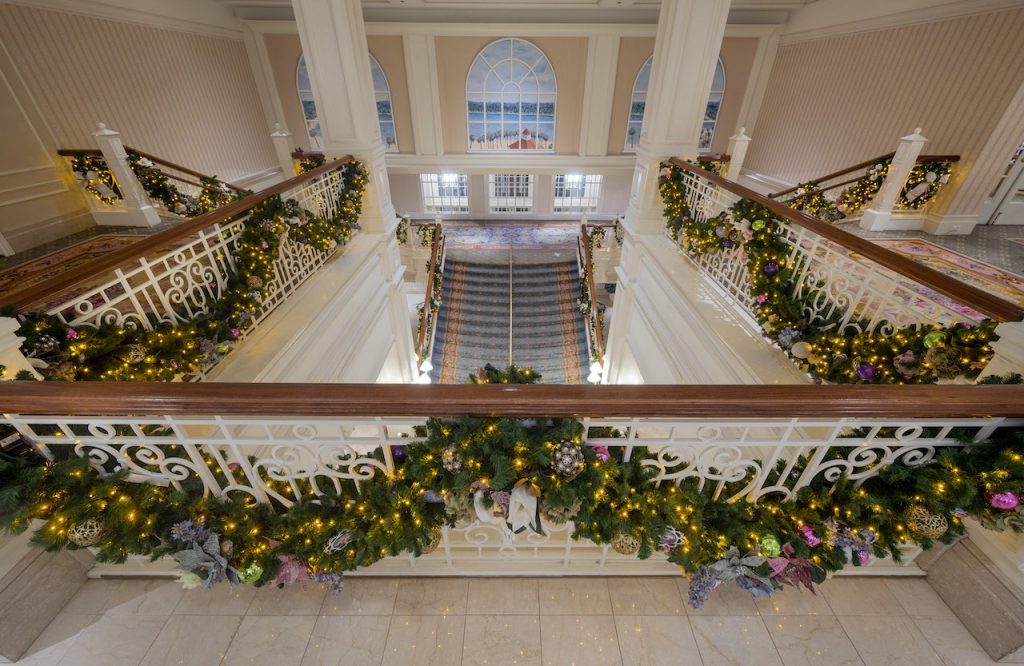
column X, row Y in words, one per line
column 432, row 298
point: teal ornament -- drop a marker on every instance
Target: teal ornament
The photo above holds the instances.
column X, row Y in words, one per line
column 251, row 574
column 934, row 338
column 770, row 546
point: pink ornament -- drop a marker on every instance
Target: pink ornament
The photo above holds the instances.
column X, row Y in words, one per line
column 234, row 332
column 761, row 298
column 863, row 555
column 234, row 467
column 603, row 454
column 265, row 245
column 665, row 171
column 72, row 334
column 809, row 536
column 292, row 570
column 1004, row 501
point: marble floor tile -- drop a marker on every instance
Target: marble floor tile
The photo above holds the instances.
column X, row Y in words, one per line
column 270, row 639
column 192, row 639
column 579, row 640
column 793, row 602
column 113, row 639
column 953, row 643
column 811, row 640
column 432, row 596
column 362, row 596
column 734, row 641
column 860, row 596
column 884, row 640
column 219, row 600
column 500, row 640
column 575, row 596
column 143, row 596
column 918, row 598
column 656, row 640
column 347, row 641
column 288, row 600
column 645, row 596
column 424, row 640
column 51, row 645
column 726, row 599
column 504, row 596
column 92, row 598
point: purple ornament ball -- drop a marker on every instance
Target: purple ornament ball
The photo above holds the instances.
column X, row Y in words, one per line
column 867, row 372
column 1004, row 501
column 771, row 268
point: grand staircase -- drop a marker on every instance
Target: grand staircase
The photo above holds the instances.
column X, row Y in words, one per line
column 537, row 325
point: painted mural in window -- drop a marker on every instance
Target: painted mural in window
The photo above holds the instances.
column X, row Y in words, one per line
column 510, row 99
column 309, row 113
column 638, row 103
column 385, row 115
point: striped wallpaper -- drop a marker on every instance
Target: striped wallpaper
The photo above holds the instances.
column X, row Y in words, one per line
column 185, row 97
column 837, row 101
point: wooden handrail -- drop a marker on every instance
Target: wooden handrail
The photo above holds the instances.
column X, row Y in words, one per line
column 509, row 400
column 592, row 290
column 863, row 165
column 982, row 301
column 93, row 152
column 435, row 245
column 714, row 157
column 54, row 286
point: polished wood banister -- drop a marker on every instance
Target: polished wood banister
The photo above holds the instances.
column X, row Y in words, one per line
column 512, row 400
column 94, row 152
column 982, row 301
column 863, row 165
column 57, row 284
column 435, row 245
column 592, row 290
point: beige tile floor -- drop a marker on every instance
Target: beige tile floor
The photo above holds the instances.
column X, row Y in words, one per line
column 505, row 621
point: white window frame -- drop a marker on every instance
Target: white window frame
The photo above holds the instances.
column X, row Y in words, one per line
column 444, row 192
column 717, row 94
column 382, row 93
column 577, row 193
column 638, row 95
column 510, row 192
column 313, row 131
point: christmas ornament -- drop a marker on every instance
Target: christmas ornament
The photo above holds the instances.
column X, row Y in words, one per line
column 906, row 364
column 339, row 542
column 934, row 338
column 867, row 372
column 625, row 544
column 86, row 533
column 924, row 523
column 757, row 225
column 1004, row 501
column 770, row 546
column 450, row 460
column 809, row 536
column 558, row 515
column 602, row 452
column 435, row 541
column 672, row 539
column 945, row 361
column 771, row 268
column 251, row 574
column 567, row 459
column 800, row 349
column 136, row 353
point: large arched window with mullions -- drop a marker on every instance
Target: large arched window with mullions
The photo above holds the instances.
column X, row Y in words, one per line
column 637, row 106
column 510, row 99
column 309, row 113
column 385, row 114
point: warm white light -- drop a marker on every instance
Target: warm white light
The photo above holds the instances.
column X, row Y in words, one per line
column 449, row 178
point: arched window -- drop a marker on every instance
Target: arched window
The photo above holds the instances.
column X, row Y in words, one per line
column 637, row 103
column 510, row 99
column 309, row 113
column 382, row 92
column 707, row 130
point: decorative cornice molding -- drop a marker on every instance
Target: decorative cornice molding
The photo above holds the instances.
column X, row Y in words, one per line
column 899, row 19
column 98, row 9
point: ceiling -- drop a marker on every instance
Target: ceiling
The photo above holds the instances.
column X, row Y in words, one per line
column 520, row 11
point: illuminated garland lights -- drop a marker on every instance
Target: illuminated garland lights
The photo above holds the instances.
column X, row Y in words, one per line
column 925, row 181
column 829, row 524
column 307, row 162
column 126, row 353
column 912, row 355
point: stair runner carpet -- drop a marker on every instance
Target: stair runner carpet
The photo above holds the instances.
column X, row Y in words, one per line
column 548, row 332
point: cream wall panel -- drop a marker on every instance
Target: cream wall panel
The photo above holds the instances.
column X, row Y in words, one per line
column 633, row 52
column 186, row 97
column 833, row 102
column 568, row 56
column 283, row 52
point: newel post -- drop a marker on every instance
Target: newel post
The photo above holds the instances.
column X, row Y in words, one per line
column 282, row 139
column 10, row 349
column 738, row 144
column 141, row 213
column 1009, row 350
column 876, row 217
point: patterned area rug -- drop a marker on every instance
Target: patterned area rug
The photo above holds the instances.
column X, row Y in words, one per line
column 505, row 236
column 42, row 268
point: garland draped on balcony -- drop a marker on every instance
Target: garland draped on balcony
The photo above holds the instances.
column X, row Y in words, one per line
column 918, row 354
column 523, row 474
column 132, row 353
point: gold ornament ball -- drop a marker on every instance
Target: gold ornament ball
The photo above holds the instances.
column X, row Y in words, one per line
column 625, row 544
column 86, row 533
column 924, row 523
column 435, row 541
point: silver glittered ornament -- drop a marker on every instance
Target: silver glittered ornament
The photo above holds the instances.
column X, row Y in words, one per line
column 339, row 542
column 450, row 460
column 567, row 459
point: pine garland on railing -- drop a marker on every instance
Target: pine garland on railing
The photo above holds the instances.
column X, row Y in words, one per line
column 126, row 353
column 925, row 181
column 863, row 191
column 96, row 178
column 523, row 473
column 308, row 162
column 814, row 202
column 914, row 355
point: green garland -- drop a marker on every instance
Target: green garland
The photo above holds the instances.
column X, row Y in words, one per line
column 932, row 176
column 827, row 526
column 863, row 191
column 916, row 354
column 814, row 202
column 402, row 231
column 132, row 353
column 308, row 162
column 96, row 178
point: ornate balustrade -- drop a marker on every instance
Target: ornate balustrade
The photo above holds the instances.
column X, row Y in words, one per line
column 432, row 298
column 272, row 445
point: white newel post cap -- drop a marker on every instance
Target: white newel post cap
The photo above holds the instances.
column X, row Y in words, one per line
column 740, row 135
column 278, row 132
column 916, row 136
column 103, row 130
